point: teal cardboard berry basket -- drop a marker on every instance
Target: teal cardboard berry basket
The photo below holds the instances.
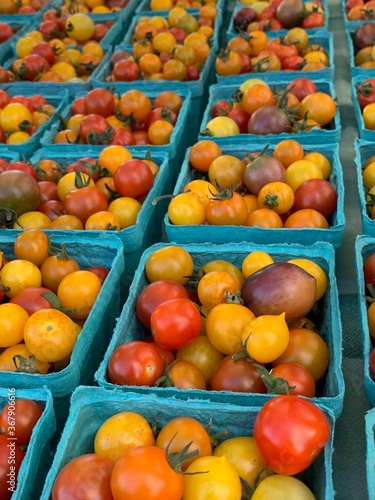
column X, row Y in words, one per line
column 129, row 328
column 91, row 407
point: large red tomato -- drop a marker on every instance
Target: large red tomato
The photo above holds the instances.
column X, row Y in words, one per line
column 290, row 433
column 175, row 323
column 133, row 178
column 135, row 363
column 317, row 194
column 156, row 293
column 84, row 202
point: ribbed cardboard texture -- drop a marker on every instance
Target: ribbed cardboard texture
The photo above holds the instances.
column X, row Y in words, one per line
column 128, row 327
column 370, row 452
column 91, row 407
column 226, row 234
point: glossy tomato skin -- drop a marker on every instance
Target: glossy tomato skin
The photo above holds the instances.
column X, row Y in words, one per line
column 26, row 413
column 84, row 202
column 32, row 299
column 154, row 294
column 317, row 194
column 133, row 178
column 89, row 474
column 101, row 272
column 19, row 191
column 9, row 466
column 175, row 323
column 144, row 472
column 135, row 363
column 237, row 375
column 290, row 433
column 298, row 377
column 369, row 270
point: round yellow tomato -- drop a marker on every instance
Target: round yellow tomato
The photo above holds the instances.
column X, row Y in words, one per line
column 12, row 322
column 212, row 477
column 50, row 335
column 170, row 262
column 122, row 432
column 19, row 274
column 315, row 270
column 255, row 261
column 225, row 324
column 266, row 337
column 78, row 292
column 243, row 454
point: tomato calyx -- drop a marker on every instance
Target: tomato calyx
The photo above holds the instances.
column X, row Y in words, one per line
column 98, row 138
column 234, row 298
column 223, row 55
column 262, row 65
column 223, row 193
column 215, row 438
column 25, row 365
column 8, row 217
column 274, row 385
column 177, row 458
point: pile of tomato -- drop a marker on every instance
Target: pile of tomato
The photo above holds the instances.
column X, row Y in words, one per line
column 286, row 188
column 104, row 193
column 21, row 7
column 61, row 32
column 133, row 118
column 181, row 459
column 17, row 421
column 167, row 48
column 42, row 64
column 21, row 117
column 364, row 56
column 359, row 10
column 46, row 297
column 276, row 15
column 197, row 336
column 257, row 108
column 365, row 94
column 92, row 6
column 185, row 4
column 257, row 52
